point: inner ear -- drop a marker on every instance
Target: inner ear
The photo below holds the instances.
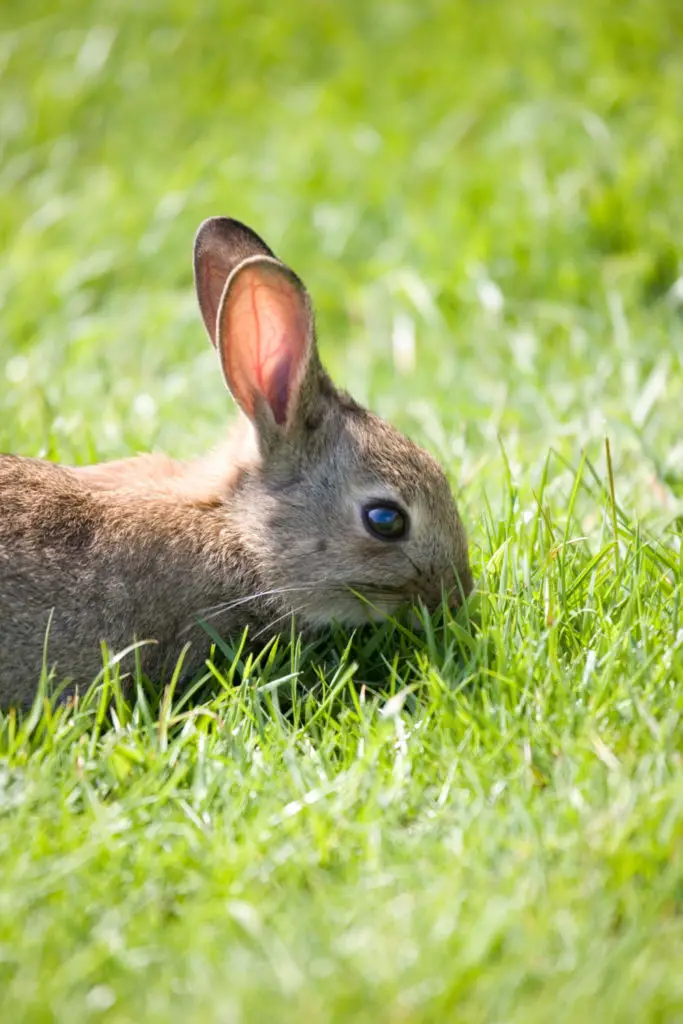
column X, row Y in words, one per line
column 265, row 338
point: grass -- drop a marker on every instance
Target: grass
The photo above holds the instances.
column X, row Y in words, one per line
column 470, row 824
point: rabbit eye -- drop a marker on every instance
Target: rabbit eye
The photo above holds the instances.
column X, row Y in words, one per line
column 388, row 522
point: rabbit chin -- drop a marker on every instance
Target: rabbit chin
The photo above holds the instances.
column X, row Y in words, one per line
column 350, row 612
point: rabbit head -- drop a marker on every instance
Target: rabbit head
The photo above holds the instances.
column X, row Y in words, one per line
column 344, row 517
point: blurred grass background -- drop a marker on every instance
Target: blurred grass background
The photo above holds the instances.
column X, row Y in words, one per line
column 485, row 200
column 495, row 180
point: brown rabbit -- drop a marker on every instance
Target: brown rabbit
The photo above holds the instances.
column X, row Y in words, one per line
column 314, row 508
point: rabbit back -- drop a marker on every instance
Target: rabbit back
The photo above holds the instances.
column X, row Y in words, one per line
column 78, row 567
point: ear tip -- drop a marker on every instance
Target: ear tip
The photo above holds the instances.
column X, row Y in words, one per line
column 215, row 228
column 228, row 234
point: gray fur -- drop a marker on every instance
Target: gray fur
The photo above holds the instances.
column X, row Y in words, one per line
column 139, row 549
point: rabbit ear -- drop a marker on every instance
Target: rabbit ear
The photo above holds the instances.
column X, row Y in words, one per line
column 220, row 245
column 265, row 338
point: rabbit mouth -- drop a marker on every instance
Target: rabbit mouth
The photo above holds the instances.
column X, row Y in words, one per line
column 356, row 604
column 315, row 604
column 360, row 603
column 381, row 601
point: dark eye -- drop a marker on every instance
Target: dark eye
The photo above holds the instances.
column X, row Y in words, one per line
column 388, row 522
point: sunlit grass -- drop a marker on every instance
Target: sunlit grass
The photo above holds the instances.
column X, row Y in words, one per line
column 477, row 820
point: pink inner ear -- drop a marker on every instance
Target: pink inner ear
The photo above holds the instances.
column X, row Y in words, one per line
column 210, row 292
column 264, row 337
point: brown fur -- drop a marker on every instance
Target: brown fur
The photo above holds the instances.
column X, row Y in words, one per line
column 266, row 526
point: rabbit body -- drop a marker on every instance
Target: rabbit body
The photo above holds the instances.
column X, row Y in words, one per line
column 282, row 520
column 79, row 566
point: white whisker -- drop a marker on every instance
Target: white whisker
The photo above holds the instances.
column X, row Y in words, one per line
column 213, row 611
column 251, row 597
column 291, row 612
column 367, row 593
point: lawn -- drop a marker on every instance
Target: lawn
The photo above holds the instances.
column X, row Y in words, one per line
column 479, row 822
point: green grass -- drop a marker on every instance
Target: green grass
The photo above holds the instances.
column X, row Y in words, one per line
column 469, row 825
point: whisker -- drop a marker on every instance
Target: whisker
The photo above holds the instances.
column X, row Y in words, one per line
column 365, row 590
column 213, row 611
column 252, row 597
column 274, row 622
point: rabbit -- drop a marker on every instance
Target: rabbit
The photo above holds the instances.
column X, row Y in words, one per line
column 313, row 508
